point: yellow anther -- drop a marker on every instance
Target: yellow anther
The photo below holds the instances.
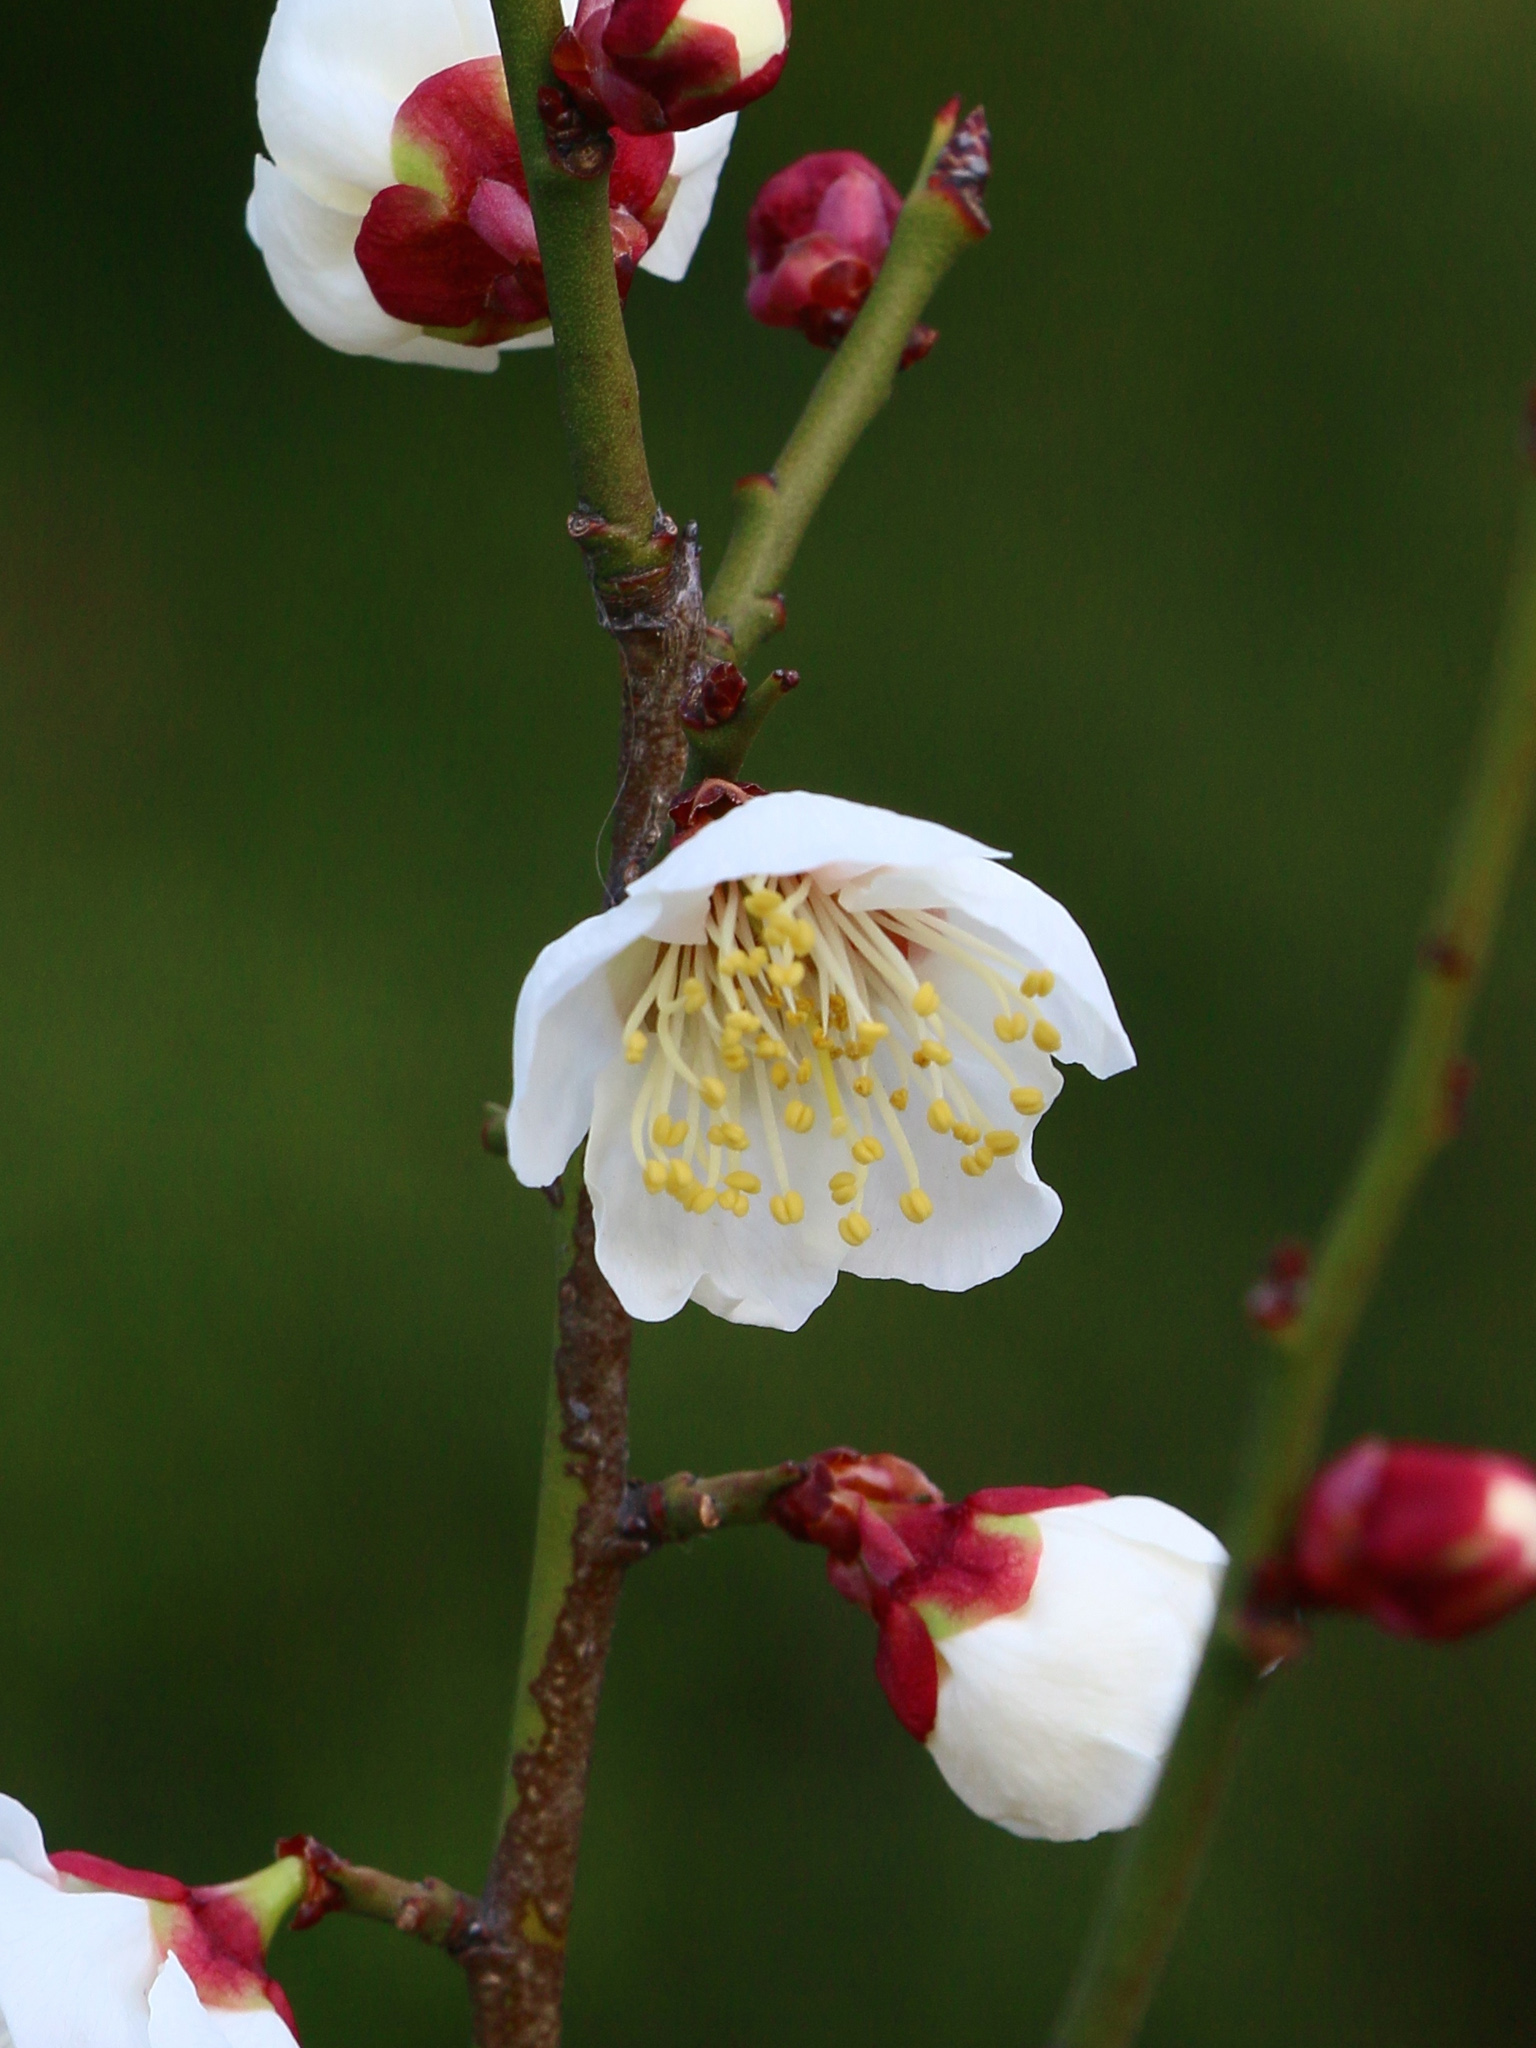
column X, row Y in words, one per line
column 679, row 1176
column 819, row 1038
column 1020, row 1025
column 733, row 962
column 770, row 1048
column 803, row 1072
column 1027, row 1101
column 837, row 1010
column 712, row 1088
column 982, row 1157
column 778, row 1073
column 921, row 1059
column 701, row 1200
column 864, row 1086
column 743, row 1182
column 867, row 1150
column 939, row 1054
column 668, row 1130
column 655, row 1176
column 695, row 996
column 1047, row 1037
column 1001, row 1143
column 941, row 1117
column 734, row 1060
column 1007, row 1029
column 970, row 1169
column 635, row 1047
column 730, row 1038
column 800, row 1116
column 839, row 1126
column 1038, row 983
column 834, row 1052
column 761, row 903
column 741, row 1022
column 844, row 1187
column 737, row 1204
column 804, row 1011
column 803, row 937
column 731, row 1136
column 757, row 960
column 916, row 1206
column 966, row 1134
column 788, row 1208
column 926, row 1001
column 899, row 1098
column 789, row 975
column 870, row 1034
column 855, row 1230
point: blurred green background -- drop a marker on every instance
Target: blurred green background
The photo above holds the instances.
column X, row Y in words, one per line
column 1176, row 569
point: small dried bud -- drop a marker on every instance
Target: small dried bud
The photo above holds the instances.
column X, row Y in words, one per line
column 714, row 699
column 1274, row 1302
column 712, row 798
column 1423, row 1539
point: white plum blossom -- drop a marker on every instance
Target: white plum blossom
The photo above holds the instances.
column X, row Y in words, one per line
column 449, row 242
column 93, row 1955
column 817, row 1036
column 1054, row 1720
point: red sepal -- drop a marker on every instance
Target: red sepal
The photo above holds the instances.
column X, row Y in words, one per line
column 907, row 1667
column 120, row 1877
column 712, row 798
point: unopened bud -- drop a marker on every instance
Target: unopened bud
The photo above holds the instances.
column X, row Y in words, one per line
column 653, row 65
column 1039, row 1641
column 817, row 235
column 1423, row 1539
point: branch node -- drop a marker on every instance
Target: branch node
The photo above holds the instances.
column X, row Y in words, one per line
column 960, row 175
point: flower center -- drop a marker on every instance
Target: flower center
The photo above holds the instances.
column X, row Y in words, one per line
column 812, row 1011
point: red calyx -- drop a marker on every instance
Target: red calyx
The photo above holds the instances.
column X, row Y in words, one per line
column 638, row 66
column 712, row 798
column 895, row 1547
column 464, row 262
column 715, row 700
column 817, row 236
column 1424, row 1539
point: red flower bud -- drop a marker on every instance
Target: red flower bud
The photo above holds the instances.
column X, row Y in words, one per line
column 816, row 238
column 1423, row 1539
column 653, row 65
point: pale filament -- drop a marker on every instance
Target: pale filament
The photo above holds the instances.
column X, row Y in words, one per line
column 785, row 984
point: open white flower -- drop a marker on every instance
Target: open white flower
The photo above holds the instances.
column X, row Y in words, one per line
column 450, row 242
column 816, row 1036
column 94, row 1955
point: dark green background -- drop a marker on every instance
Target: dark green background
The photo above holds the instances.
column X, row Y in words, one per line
column 1176, row 569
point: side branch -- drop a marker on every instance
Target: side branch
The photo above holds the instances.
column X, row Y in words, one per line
column 662, row 1511
column 430, row 1909
column 942, row 216
column 1155, row 1875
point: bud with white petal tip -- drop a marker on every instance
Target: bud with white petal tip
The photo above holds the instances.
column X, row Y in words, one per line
column 1423, row 1539
column 652, row 65
column 91, row 1950
column 1041, row 1642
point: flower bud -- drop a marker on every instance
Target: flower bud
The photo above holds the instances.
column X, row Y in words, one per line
column 652, row 65
column 1424, row 1539
column 1039, row 1641
column 817, row 235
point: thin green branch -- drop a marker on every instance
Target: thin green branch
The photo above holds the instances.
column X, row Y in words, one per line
column 942, row 216
column 675, row 1510
column 599, row 397
column 1157, row 1869
column 427, row 1908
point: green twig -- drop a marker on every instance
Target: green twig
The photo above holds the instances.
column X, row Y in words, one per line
column 942, row 216
column 675, row 1510
column 1156, row 1872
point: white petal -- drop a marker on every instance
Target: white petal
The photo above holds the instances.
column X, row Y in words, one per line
column 796, row 832
column 541, row 337
column 1054, row 1721
column 308, row 250
column 749, row 1269
column 21, row 1840
column 75, row 1967
column 176, row 2015
column 250, row 2027
column 1021, row 918
column 698, row 158
column 334, row 74
column 569, row 1015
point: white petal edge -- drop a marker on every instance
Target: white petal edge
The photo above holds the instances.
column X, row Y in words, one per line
column 1141, row 1519
column 21, row 1840
column 75, row 1967
column 698, row 159
column 333, row 76
column 176, row 2015
column 795, row 831
column 566, row 1030
column 1019, row 915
